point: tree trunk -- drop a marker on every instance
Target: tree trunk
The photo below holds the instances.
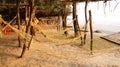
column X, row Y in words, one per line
column 80, row 32
column 75, row 23
column 86, row 2
column 91, row 32
column 18, row 18
column 32, row 13
column 58, row 25
column 64, row 18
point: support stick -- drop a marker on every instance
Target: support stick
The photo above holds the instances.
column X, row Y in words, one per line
column 86, row 3
column 91, row 32
column 18, row 18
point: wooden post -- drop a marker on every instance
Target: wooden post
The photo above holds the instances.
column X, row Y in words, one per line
column 58, row 23
column 85, row 34
column 91, row 32
column 64, row 17
column 32, row 13
column 32, row 32
column 75, row 23
column 79, row 32
column 18, row 18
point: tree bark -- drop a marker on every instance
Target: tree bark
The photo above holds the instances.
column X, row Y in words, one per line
column 91, row 32
column 80, row 32
column 64, row 17
column 18, row 19
column 75, row 23
column 86, row 3
column 32, row 13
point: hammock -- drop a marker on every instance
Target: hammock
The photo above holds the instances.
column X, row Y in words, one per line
column 58, row 41
column 48, row 36
column 20, row 33
column 40, row 28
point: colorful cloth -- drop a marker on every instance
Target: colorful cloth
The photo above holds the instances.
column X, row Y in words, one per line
column 7, row 30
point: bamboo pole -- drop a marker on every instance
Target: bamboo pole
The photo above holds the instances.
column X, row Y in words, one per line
column 18, row 18
column 86, row 3
column 91, row 32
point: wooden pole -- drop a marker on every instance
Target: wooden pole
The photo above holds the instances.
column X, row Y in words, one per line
column 18, row 18
column 32, row 32
column 58, row 25
column 80, row 32
column 75, row 23
column 32, row 12
column 85, row 34
column 64, row 20
column 91, row 32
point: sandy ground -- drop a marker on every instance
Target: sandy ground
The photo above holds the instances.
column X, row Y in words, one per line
column 44, row 53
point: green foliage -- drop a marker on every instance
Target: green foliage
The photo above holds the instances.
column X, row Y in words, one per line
column 52, row 6
column 46, row 6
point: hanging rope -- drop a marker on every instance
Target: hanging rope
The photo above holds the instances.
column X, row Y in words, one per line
column 14, row 29
column 58, row 41
column 40, row 28
column 48, row 36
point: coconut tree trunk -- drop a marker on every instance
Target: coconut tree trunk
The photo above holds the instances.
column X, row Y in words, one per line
column 75, row 23
column 18, row 19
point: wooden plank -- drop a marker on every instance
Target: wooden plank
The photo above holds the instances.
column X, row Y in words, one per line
column 114, row 38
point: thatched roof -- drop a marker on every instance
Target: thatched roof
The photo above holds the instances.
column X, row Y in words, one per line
column 85, row 0
column 40, row 12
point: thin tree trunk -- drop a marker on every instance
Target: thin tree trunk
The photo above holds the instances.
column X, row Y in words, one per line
column 32, row 13
column 30, row 42
column 58, row 25
column 80, row 33
column 85, row 34
column 3, row 1
column 32, row 32
column 75, row 23
column 91, row 32
column 18, row 18
column 64, row 20
column 65, row 25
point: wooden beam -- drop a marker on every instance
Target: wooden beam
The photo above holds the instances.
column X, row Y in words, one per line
column 7, row 4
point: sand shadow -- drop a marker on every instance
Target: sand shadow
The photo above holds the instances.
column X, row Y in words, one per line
column 7, row 55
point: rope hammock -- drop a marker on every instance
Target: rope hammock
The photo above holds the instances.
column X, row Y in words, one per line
column 20, row 33
column 58, row 41
column 40, row 28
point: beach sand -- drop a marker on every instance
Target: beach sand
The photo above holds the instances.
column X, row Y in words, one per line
column 45, row 53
